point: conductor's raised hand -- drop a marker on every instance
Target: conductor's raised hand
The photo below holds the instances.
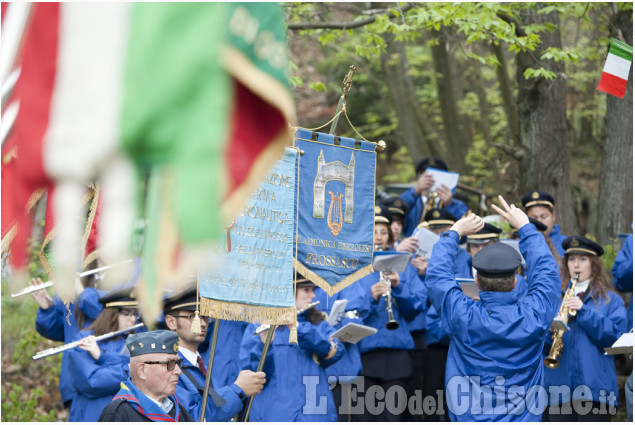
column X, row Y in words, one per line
column 514, row 216
column 468, row 225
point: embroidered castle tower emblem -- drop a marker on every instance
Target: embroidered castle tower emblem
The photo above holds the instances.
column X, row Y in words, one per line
column 335, row 170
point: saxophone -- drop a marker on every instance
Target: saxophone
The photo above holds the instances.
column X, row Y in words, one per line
column 551, row 361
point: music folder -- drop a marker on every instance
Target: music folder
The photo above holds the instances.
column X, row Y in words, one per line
column 390, row 261
column 353, row 332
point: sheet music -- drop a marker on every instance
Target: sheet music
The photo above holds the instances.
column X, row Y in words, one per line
column 426, row 239
column 337, row 311
column 469, row 288
column 448, row 178
column 623, row 345
column 353, row 332
column 391, row 261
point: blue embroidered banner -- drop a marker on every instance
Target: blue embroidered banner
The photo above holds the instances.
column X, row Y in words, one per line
column 336, row 199
column 256, row 281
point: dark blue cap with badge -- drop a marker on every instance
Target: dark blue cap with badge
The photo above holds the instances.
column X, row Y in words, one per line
column 161, row 341
column 489, row 233
column 431, row 161
column 537, row 198
column 581, row 245
column 437, row 217
column 383, row 214
column 302, row 281
column 184, row 300
column 397, row 207
column 496, row 261
column 120, row 298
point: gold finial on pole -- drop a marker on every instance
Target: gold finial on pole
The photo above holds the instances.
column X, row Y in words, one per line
column 346, row 86
column 348, row 80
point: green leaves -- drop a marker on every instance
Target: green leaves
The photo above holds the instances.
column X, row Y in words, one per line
column 538, row 73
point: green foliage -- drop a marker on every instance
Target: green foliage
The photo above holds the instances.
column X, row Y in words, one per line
column 19, row 406
column 403, row 171
column 538, row 73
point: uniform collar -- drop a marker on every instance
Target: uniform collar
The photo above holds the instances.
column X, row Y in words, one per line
column 498, row 298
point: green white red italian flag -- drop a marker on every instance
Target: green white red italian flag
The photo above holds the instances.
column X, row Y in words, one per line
column 195, row 94
column 616, row 69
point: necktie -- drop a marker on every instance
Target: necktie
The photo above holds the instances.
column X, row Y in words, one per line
column 201, row 366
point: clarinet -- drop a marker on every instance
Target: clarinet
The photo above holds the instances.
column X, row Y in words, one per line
column 391, row 324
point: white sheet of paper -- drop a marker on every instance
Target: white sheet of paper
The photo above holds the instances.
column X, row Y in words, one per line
column 447, row 178
column 353, row 332
column 623, row 345
column 426, row 239
column 337, row 311
column 468, row 286
column 391, row 261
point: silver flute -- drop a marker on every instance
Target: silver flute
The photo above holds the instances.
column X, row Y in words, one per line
column 56, row 350
column 44, row 285
column 263, row 328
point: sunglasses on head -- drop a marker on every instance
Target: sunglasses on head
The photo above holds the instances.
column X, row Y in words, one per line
column 169, row 363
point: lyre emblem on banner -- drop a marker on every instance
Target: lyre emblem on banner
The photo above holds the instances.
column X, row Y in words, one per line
column 335, row 207
column 335, row 170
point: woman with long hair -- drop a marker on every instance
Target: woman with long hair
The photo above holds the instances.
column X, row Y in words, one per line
column 583, row 387
column 97, row 368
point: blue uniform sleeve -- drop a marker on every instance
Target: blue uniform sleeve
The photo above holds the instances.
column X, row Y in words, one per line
column 444, row 292
column 411, row 295
column 623, row 267
column 543, row 293
column 315, row 339
column 89, row 302
column 97, row 378
column 603, row 328
column 192, row 401
column 50, row 322
column 251, row 349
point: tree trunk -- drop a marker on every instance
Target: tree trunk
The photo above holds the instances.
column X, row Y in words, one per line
column 615, row 206
column 507, row 93
column 413, row 129
column 545, row 132
column 452, row 123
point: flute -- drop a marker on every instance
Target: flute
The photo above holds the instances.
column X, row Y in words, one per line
column 263, row 328
column 62, row 348
column 44, row 285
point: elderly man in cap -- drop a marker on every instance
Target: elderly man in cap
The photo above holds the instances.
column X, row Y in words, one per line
column 540, row 206
column 494, row 364
column 417, row 198
column 224, row 402
column 148, row 395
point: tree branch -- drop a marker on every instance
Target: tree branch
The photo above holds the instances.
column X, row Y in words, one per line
column 342, row 25
column 517, row 26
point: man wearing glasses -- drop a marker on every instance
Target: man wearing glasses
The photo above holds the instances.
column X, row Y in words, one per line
column 148, row 395
column 224, row 402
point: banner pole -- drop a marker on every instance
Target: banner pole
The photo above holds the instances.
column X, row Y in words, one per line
column 210, row 363
column 261, row 365
column 346, row 86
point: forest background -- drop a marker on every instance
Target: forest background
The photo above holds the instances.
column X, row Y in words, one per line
column 504, row 92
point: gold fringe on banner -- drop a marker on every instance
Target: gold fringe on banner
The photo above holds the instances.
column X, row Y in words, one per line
column 328, row 288
column 226, row 310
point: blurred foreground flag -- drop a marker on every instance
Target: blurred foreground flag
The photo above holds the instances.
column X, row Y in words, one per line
column 616, row 69
column 196, row 91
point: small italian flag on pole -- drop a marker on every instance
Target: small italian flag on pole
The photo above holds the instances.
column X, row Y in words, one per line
column 616, row 69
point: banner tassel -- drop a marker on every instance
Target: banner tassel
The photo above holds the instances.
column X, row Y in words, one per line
column 196, row 321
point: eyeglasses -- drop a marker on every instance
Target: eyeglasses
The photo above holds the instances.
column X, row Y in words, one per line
column 190, row 317
column 128, row 313
column 169, row 363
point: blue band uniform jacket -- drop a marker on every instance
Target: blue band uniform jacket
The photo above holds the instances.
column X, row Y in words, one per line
column 497, row 339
